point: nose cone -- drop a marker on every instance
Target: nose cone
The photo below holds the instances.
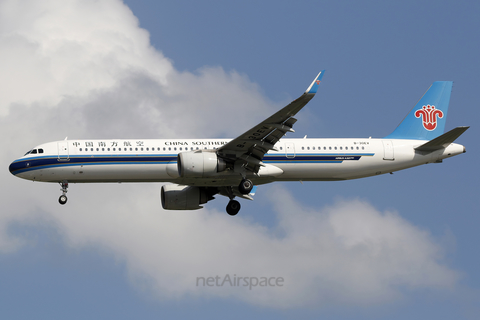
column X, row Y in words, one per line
column 14, row 166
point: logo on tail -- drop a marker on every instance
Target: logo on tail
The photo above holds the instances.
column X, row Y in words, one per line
column 429, row 114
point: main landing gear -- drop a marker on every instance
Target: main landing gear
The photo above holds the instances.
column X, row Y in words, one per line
column 63, row 198
column 233, row 206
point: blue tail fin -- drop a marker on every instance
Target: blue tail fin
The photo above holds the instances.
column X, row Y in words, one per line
column 426, row 120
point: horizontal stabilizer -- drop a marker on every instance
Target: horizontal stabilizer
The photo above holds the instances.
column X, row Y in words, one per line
column 442, row 141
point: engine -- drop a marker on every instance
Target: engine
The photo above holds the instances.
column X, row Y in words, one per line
column 178, row 197
column 199, row 164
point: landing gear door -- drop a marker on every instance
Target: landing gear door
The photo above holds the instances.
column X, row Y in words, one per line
column 290, row 150
column 388, row 150
column 63, row 154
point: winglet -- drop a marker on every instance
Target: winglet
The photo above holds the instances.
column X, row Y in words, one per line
column 314, row 86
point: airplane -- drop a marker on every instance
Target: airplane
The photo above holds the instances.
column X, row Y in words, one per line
column 199, row 169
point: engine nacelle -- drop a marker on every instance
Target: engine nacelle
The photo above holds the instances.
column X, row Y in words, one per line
column 178, row 197
column 199, row 164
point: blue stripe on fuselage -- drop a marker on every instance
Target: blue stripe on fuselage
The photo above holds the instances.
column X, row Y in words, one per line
column 36, row 163
column 314, row 158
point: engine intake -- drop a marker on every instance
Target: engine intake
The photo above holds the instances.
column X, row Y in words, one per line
column 178, row 197
column 199, row 164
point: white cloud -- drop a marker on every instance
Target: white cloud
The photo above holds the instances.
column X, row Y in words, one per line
column 51, row 49
column 348, row 253
column 85, row 69
column 92, row 54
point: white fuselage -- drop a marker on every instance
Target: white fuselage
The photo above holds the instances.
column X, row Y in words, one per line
column 91, row 161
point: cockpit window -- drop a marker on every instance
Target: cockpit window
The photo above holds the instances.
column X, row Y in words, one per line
column 34, row 151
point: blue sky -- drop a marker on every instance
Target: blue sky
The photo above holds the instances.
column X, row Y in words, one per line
column 86, row 70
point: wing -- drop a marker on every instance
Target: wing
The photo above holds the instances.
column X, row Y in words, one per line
column 248, row 149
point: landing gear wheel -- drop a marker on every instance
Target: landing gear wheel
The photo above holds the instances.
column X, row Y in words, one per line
column 245, row 186
column 63, row 199
column 233, row 207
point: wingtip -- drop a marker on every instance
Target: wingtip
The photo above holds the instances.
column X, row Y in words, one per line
column 316, row 82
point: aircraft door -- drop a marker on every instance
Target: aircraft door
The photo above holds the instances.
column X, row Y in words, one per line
column 388, row 150
column 290, row 150
column 63, row 154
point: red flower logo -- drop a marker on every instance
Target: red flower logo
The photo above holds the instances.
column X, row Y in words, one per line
column 429, row 114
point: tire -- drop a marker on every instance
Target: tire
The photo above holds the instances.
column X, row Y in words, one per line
column 233, row 207
column 245, row 186
column 63, row 199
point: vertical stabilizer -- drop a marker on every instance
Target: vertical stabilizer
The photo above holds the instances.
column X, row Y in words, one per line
column 426, row 120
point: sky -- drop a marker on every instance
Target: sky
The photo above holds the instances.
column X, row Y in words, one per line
column 393, row 246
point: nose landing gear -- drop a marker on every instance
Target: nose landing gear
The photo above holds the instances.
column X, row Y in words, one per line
column 63, row 198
